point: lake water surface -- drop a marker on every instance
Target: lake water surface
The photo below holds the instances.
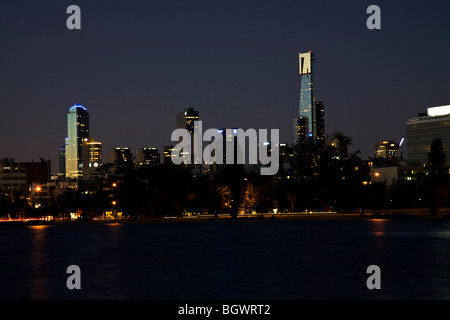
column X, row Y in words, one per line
column 301, row 259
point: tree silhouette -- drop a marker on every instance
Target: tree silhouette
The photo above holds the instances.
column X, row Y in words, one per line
column 438, row 176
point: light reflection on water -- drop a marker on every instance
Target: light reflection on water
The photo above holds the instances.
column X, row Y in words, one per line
column 240, row 260
column 37, row 264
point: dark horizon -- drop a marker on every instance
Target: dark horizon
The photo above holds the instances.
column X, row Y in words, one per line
column 135, row 66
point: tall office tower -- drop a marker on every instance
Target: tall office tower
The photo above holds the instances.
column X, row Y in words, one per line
column 62, row 160
column 320, row 124
column 77, row 131
column 310, row 111
column 387, row 149
column 147, row 157
column 422, row 130
column 92, row 157
column 186, row 120
column 120, row 156
column 299, row 130
column 167, row 155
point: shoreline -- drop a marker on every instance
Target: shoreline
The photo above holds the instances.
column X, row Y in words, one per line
column 384, row 215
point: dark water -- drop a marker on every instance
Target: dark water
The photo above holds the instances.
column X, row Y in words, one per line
column 228, row 260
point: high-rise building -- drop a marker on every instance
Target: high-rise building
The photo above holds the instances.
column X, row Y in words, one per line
column 120, row 155
column 320, row 124
column 186, row 119
column 77, row 131
column 62, row 160
column 92, row 157
column 387, row 149
column 167, row 155
column 422, row 130
column 147, row 157
column 299, row 130
column 309, row 126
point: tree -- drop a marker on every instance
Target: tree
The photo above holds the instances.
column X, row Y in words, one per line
column 4, row 204
column 249, row 199
column 438, row 176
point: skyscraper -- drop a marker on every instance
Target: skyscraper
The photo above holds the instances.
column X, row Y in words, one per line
column 387, row 149
column 167, row 155
column 77, row 131
column 147, row 157
column 62, row 160
column 186, row 120
column 309, row 126
column 92, row 157
column 307, row 99
column 120, row 155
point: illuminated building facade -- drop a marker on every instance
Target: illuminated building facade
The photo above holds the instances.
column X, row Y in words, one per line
column 77, row 131
column 19, row 176
column 310, row 123
column 92, row 157
column 120, row 155
column 422, row 130
column 62, row 160
column 147, row 157
column 186, row 120
column 167, row 155
column 300, row 130
column 387, row 149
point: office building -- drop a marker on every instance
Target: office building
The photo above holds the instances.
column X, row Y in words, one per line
column 77, row 131
column 92, row 158
column 299, row 130
column 167, row 155
column 320, row 124
column 186, row 119
column 387, row 149
column 19, row 176
column 120, row 155
column 422, row 130
column 62, row 160
column 147, row 157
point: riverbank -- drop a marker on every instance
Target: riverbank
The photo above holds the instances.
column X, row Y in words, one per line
column 418, row 213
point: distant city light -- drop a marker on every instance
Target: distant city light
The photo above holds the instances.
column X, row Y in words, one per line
column 401, row 142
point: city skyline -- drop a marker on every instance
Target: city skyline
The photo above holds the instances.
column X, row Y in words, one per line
column 235, row 63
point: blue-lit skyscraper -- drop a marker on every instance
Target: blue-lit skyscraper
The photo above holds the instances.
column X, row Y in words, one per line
column 307, row 99
column 310, row 122
column 77, row 131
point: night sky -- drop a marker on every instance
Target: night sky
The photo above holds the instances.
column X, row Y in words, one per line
column 135, row 64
